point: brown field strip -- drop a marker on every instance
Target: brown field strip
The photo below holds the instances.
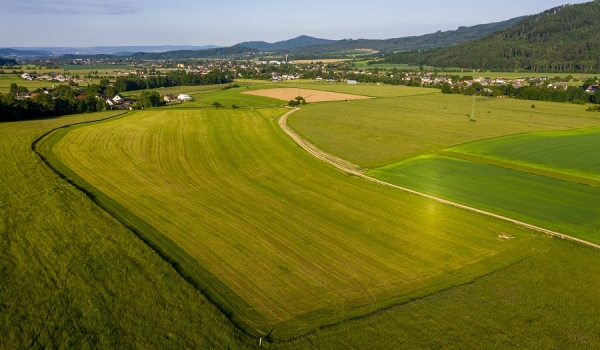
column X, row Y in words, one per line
column 286, row 94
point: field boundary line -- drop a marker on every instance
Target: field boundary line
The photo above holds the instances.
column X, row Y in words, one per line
column 320, row 155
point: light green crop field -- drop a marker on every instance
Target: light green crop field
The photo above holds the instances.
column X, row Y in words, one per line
column 547, row 202
column 7, row 79
column 377, row 132
column 572, row 152
column 73, row 277
column 275, row 237
column 206, row 96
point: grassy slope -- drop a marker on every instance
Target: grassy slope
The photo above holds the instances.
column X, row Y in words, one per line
column 302, row 244
column 73, row 277
column 377, row 132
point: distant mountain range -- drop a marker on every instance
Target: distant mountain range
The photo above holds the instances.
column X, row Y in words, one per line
column 99, row 50
column 24, row 53
column 422, row 42
column 561, row 39
column 302, row 45
column 301, row 41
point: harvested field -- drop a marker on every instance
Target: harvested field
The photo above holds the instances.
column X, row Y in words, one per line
column 290, row 93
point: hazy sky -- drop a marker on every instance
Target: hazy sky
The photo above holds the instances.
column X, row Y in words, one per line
column 227, row 22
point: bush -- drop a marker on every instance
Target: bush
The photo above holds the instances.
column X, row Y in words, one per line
column 230, row 86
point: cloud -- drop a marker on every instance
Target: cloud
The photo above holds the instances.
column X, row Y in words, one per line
column 71, row 7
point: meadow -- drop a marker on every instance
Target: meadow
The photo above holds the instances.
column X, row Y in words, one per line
column 572, row 152
column 548, row 301
column 276, row 238
column 71, row 276
column 126, row 274
column 554, row 204
column 386, row 130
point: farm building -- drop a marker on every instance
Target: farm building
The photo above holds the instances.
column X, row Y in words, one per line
column 184, row 97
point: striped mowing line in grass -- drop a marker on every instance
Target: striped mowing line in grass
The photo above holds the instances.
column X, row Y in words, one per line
column 295, row 244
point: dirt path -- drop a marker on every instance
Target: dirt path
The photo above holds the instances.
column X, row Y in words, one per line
column 354, row 170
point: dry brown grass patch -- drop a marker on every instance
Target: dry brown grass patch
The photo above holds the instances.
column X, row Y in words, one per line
column 286, row 94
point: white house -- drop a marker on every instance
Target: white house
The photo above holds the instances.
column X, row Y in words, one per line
column 184, row 97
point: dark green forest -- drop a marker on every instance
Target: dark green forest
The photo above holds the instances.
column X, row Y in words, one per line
column 562, row 39
column 7, row 62
column 422, row 42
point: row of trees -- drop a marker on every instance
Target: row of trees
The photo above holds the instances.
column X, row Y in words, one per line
column 570, row 94
column 44, row 105
column 173, row 78
column 63, row 100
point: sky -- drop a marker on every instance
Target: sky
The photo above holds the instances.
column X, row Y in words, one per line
column 85, row 23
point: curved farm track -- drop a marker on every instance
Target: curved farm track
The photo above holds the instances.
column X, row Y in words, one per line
column 355, row 170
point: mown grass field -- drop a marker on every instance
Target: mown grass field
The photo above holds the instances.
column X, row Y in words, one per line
column 73, row 277
column 278, row 239
column 573, row 152
column 382, row 131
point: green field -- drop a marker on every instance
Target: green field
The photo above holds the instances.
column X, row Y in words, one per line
column 572, row 152
column 73, row 277
column 545, row 302
column 553, row 204
column 279, row 239
column 382, row 131
column 218, row 207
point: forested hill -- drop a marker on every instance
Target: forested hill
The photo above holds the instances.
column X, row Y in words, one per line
column 220, row 52
column 562, row 39
column 300, row 41
column 7, row 62
column 422, row 42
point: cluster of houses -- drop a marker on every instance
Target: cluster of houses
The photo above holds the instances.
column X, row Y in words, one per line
column 277, row 77
column 180, row 98
column 51, row 77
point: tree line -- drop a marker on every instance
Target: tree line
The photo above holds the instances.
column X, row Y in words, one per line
column 572, row 94
column 64, row 100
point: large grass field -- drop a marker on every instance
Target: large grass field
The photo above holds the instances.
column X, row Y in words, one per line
column 546, row 302
column 551, row 203
column 573, row 152
column 278, row 239
column 73, row 277
column 377, row 132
